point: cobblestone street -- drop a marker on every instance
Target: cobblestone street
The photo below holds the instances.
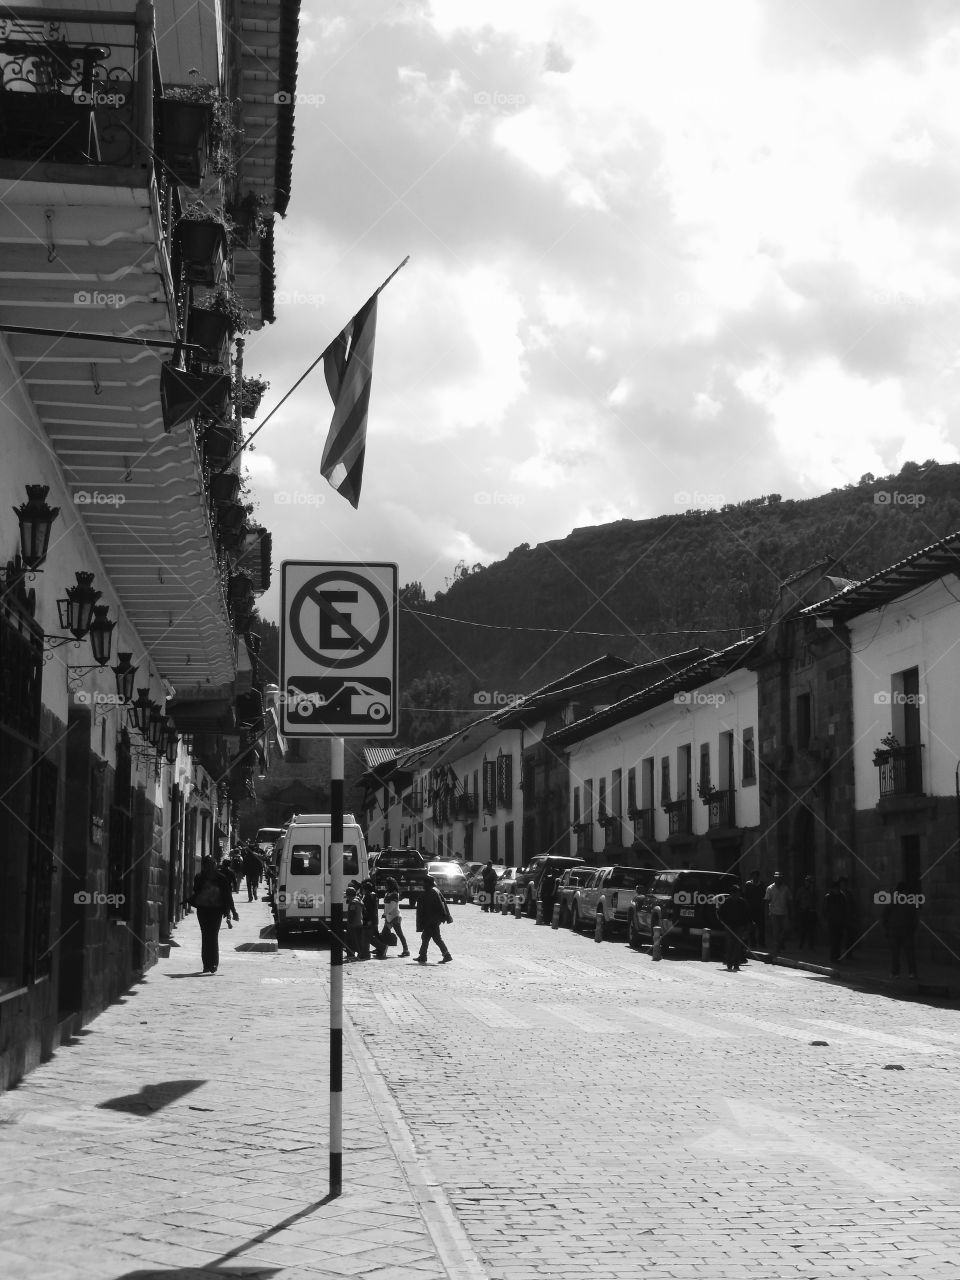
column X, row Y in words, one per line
column 542, row 1107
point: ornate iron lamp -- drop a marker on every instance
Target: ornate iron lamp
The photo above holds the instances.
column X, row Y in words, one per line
column 101, row 635
column 76, row 612
column 35, row 518
column 125, row 674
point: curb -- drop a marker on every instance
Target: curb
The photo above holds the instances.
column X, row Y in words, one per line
column 849, row 977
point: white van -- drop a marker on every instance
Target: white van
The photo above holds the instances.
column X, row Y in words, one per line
column 303, row 872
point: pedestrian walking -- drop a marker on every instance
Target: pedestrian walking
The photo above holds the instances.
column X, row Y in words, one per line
column 900, row 918
column 354, row 924
column 778, row 899
column 734, row 915
column 212, row 899
column 252, row 871
column 371, row 909
column 489, row 877
column 391, row 920
column 432, row 911
column 754, row 892
column 806, row 914
column 835, row 915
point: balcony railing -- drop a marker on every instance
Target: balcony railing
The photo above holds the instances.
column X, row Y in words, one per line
column 901, row 771
column 76, row 87
column 720, row 809
column 680, row 816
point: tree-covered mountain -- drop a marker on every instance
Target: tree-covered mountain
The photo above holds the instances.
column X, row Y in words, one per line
column 652, row 587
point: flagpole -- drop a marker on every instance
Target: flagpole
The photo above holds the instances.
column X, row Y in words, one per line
column 376, row 293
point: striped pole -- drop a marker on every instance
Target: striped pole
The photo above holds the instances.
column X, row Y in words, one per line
column 336, row 966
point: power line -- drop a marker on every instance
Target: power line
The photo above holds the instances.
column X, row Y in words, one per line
column 566, row 631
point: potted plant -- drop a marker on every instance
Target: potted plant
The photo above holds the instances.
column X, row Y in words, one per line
column 251, row 393
column 214, row 317
column 186, row 113
column 201, row 238
column 185, row 394
column 225, row 488
column 251, row 217
column 219, row 440
column 889, row 743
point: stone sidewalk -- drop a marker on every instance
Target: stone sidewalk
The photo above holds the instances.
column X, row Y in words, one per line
column 184, row 1133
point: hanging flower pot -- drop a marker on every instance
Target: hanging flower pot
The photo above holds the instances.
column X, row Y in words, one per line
column 183, row 395
column 225, row 488
column 231, row 539
column 186, row 136
column 252, row 392
column 232, row 516
column 219, row 443
column 202, row 244
column 209, row 330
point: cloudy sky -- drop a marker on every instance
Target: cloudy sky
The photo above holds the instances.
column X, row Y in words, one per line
column 662, row 255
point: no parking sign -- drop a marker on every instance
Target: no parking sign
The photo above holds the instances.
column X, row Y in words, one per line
column 338, row 649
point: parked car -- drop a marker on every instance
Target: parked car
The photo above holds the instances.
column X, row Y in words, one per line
column 682, row 903
column 449, row 879
column 407, row 866
column 504, row 897
column 571, row 882
column 529, row 877
column 605, row 901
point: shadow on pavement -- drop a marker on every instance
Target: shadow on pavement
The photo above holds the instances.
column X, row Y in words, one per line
column 204, row 1273
column 152, row 1097
column 196, row 973
column 256, row 946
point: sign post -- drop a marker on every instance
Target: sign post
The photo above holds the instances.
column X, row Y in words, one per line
column 338, row 678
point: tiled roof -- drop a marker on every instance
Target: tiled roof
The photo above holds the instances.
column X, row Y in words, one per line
column 913, row 571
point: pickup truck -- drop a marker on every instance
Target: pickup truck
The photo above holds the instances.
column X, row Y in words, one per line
column 683, row 903
column 570, row 885
column 530, row 877
column 407, row 866
column 605, row 901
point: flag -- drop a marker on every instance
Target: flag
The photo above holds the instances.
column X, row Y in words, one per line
column 348, row 369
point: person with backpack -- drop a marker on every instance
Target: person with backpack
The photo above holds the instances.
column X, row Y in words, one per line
column 212, row 899
column 489, row 878
column 354, row 923
column 391, row 920
column 252, row 871
column 432, row 911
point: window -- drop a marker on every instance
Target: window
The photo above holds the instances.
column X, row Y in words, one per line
column 529, row 781
column 905, row 706
column 306, row 860
column 749, row 771
column 576, row 805
column 490, row 786
column 665, row 780
column 705, row 767
column 468, row 842
column 602, row 799
column 505, row 780
column 588, row 802
column 631, row 790
column 494, row 844
column 684, row 770
column 725, row 762
column 804, row 720
column 646, row 783
column 616, row 793
column 508, row 844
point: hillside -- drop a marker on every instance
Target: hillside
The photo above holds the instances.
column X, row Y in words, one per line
column 662, row 584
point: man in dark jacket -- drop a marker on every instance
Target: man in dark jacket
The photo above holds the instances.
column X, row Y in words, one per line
column 753, row 893
column 734, row 914
column 835, row 911
column 253, row 872
column 212, row 899
column 432, row 912
column 489, row 877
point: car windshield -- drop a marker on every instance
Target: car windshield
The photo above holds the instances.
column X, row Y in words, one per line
column 411, row 859
column 445, row 869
